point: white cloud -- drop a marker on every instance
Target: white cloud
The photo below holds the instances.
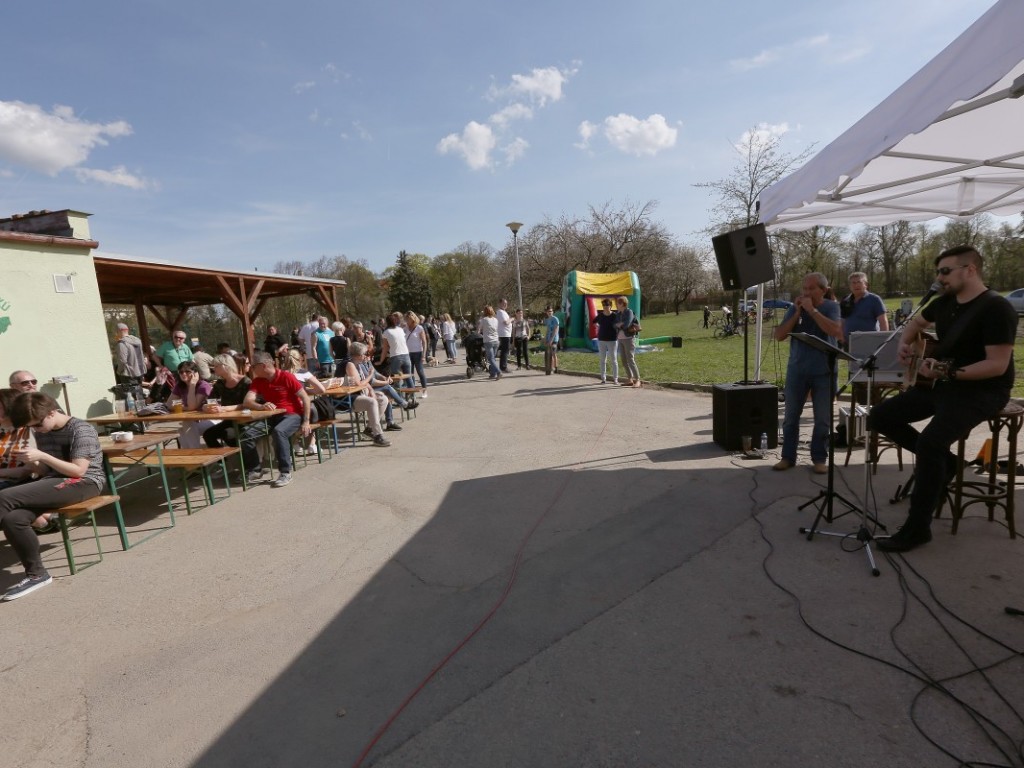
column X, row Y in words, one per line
column 515, row 150
column 761, row 134
column 512, row 112
column 475, row 145
column 50, row 142
column 586, row 130
column 525, row 94
column 118, row 176
column 541, row 85
column 639, row 137
column 303, row 86
column 772, row 55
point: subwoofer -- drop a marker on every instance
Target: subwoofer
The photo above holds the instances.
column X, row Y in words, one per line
column 745, row 409
column 744, row 258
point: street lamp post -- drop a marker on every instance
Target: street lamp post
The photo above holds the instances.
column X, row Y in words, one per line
column 515, row 226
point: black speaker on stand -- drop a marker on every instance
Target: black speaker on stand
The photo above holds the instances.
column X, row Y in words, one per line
column 744, row 259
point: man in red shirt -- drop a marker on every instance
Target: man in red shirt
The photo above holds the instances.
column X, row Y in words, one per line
column 276, row 389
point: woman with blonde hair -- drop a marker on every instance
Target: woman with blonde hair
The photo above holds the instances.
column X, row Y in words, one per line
column 228, row 393
column 448, row 335
column 487, row 326
column 417, row 342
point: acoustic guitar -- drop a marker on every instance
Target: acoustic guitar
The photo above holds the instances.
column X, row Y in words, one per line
column 926, row 348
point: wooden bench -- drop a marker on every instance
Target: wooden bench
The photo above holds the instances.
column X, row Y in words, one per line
column 190, row 461
column 74, row 511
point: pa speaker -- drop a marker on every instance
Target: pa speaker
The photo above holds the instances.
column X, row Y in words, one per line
column 745, row 409
column 743, row 257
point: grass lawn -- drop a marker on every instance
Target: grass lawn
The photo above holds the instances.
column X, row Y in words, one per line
column 705, row 360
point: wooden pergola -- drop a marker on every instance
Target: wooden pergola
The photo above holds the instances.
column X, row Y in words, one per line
column 169, row 290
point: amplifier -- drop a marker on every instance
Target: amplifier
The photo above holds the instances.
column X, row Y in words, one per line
column 888, row 370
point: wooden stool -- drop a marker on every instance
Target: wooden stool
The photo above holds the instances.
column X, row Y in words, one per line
column 992, row 492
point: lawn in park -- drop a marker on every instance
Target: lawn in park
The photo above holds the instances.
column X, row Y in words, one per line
column 705, row 360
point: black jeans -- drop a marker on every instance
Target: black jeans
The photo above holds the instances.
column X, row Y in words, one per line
column 504, row 343
column 955, row 410
column 523, row 351
column 21, row 504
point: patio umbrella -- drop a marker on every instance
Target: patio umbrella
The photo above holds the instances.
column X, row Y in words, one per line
column 948, row 142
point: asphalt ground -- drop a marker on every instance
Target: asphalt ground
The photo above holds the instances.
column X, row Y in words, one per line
column 541, row 571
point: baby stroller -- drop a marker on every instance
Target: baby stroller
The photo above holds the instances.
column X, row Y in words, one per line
column 473, row 344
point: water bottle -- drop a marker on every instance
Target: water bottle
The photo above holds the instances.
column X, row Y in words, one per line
column 129, row 402
column 764, row 443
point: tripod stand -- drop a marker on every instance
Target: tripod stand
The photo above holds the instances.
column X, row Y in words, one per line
column 825, row 499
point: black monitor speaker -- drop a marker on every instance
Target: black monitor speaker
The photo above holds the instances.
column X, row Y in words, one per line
column 740, row 410
column 743, row 257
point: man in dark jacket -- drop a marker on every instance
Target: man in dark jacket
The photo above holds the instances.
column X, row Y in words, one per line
column 273, row 342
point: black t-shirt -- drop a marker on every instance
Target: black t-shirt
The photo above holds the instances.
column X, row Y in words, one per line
column 992, row 323
column 606, row 330
column 231, row 395
column 339, row 348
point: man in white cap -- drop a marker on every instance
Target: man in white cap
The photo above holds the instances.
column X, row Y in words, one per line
column 131, row 359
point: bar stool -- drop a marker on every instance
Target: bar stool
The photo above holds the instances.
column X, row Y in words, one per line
column 992, row 491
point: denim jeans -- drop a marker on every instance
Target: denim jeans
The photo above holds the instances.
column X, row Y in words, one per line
column 393, row 397
column 416, row 359
column 449, row 348
column 955, row 411
column 281, row 430
column 490, row 349
column 401, row 365
column 606, row 350
column 797, row 386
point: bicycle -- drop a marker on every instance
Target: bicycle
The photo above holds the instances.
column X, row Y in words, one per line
column 728, row 329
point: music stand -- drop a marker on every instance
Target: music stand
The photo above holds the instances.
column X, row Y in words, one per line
column 823, row 502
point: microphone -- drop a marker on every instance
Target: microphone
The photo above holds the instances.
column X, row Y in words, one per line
column 936, row 288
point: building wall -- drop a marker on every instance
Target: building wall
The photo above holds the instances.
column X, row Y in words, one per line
column 51, row 333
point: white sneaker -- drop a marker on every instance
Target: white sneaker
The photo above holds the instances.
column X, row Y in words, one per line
column 282, row 480
column 254, row 476
column 423, row 395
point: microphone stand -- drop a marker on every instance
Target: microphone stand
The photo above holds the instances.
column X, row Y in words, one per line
column 870, row 364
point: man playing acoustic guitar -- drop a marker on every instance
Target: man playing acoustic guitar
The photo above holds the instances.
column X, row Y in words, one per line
column 976, row 328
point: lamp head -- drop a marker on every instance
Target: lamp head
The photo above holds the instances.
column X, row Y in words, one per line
column 514, row 226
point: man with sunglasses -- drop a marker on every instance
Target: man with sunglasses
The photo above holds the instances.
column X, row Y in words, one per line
column 24, row 381
column 174, row 352
column 976, row 329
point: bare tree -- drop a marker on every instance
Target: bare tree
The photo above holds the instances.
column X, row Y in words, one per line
column 760, row 163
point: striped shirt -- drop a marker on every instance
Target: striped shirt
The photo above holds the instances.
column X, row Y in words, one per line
column 75, row 440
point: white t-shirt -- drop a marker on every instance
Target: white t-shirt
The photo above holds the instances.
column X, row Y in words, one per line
column 414, row 340
column 489, row 329
column 396, row 342
column 448, row 330
column 306, row 334
column 504, row 323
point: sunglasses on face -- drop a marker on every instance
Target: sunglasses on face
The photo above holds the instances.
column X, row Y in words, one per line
column 29, row 382
column 946, row 270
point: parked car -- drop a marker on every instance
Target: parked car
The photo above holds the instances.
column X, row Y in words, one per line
column 777, row 304
column 1016, row 299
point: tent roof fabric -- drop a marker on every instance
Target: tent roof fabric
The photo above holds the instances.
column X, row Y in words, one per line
column 948, row 142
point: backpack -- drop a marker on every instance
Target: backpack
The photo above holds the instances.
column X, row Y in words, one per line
column 324, row 408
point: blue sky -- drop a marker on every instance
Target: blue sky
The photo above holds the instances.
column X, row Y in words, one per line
column 240, row 136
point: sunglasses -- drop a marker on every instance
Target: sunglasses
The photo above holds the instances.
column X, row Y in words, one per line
column 946, row 270
column 32, row 382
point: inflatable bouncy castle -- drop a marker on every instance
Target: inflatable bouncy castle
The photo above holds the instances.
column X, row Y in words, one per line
column 581, row 301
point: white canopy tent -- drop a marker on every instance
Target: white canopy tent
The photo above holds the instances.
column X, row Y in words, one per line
column 948, row 142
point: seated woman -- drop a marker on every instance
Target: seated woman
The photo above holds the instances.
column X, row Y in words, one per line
column 229, row 391
column 193, row 392
column 69, row 461
column 366, row 402
column 313, row 386
column 12, row 439
column 382, row 385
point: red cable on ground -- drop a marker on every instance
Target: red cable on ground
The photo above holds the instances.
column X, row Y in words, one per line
column 516, row 562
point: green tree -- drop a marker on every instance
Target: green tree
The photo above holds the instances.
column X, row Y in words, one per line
column 408, row 284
